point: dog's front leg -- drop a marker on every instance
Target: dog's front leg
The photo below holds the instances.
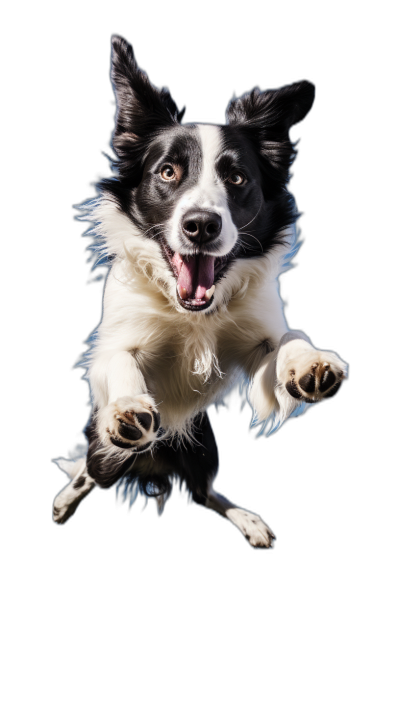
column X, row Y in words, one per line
column 125, row 420
column 294, row 372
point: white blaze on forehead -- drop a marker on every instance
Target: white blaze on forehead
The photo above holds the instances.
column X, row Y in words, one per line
column 210, row 141
column 208, row 193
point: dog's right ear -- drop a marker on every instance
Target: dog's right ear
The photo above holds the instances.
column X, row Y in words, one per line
column 142, row 109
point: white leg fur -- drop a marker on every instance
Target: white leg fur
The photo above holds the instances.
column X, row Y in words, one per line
column 113, row 376
column 252, row 526
column 120, row 392
column 294, row 358
column 124, row 377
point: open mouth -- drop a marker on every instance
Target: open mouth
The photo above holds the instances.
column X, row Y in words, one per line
column 195, row 277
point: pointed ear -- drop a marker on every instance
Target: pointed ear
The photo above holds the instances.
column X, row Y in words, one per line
column 266, row 117
column 275, row 109
column 141, row 108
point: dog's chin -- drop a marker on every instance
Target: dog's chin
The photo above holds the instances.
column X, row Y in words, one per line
column 195, row 275
column 195, row 304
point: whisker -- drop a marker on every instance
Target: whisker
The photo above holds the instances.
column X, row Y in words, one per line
column 246, row 245
column 155, row 225
column 254, row 238
column 253, row 219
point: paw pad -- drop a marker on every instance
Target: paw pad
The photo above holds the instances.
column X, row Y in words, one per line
column 129, row 423
column 320, row 381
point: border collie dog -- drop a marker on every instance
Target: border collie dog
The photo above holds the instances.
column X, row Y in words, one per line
column 196, row 225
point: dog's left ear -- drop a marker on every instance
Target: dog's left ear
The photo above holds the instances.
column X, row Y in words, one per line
column 266, row 118
column 274, row 110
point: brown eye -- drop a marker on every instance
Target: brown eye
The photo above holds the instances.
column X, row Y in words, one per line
column 237, row 179
column 167, row 173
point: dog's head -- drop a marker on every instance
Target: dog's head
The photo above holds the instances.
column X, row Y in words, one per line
column 207, row 195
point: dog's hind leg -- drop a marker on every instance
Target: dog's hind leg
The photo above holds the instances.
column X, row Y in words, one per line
column 252, row 526
column 68, row 500
column 197, row 465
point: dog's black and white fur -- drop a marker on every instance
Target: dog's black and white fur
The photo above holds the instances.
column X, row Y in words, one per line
column 197, row 226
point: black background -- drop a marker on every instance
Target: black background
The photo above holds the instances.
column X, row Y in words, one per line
column 301, row 480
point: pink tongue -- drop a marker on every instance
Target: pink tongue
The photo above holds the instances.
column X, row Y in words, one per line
column 196, row 274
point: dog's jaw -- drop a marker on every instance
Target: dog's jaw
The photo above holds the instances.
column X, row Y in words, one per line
column 196, row 276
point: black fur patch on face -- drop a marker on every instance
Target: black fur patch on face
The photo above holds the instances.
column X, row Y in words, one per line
column 79, row 482
column 260, row 208
column 143, row 194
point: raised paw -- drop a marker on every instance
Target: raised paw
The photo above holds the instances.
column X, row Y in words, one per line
column 311, row 375
column 129, row 423
column 317, row 381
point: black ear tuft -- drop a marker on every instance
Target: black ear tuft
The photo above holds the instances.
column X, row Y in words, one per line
column 141, row 108
column 275, row 109
column 297, row 99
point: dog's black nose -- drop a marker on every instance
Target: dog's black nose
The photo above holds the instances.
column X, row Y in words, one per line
column 201, row 226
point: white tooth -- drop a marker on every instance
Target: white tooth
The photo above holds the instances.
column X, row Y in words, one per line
column 210, row 292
